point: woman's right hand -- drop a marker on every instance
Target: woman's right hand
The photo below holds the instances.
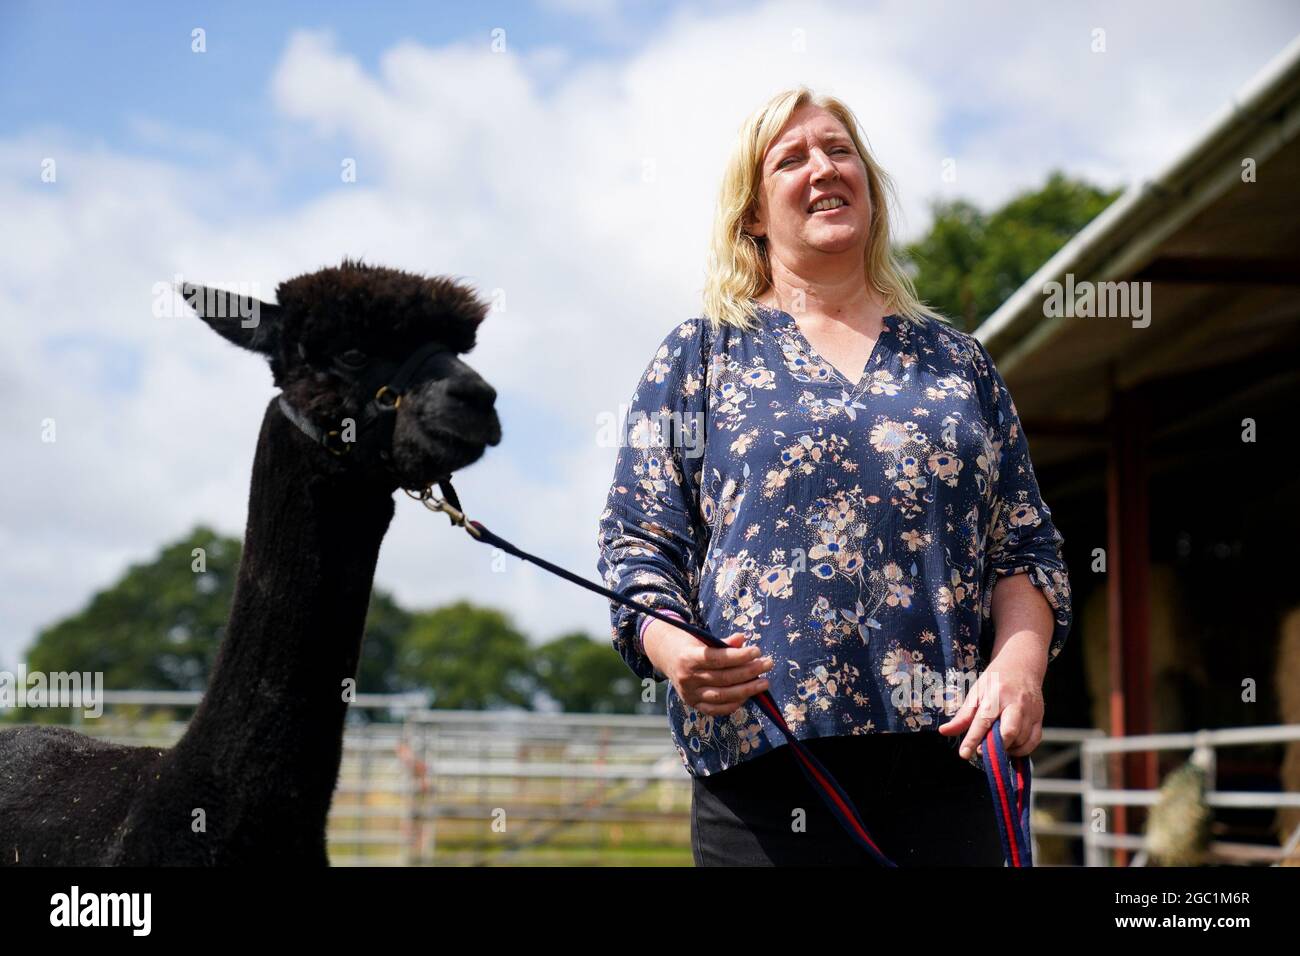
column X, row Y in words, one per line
column 712, row 680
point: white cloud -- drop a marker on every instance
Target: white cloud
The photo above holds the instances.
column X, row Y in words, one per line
column 523, row 178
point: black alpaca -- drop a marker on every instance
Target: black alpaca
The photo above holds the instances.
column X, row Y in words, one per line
column 259, row 760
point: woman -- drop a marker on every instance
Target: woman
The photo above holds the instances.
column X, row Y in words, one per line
column 829, row 477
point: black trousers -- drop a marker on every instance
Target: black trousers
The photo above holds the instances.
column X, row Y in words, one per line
column 921, row 802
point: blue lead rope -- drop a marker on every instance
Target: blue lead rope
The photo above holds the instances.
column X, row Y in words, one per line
column 1008, row 778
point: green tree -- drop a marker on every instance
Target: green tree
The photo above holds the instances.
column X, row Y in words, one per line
column 585, row 676
column 159, row 626
column 471, row 658
column 387, row 623
column 970, row 262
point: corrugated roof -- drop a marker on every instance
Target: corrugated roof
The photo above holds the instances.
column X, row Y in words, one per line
column 1222, row 259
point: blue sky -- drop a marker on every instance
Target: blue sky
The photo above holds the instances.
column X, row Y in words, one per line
column 521, row 171
column 135, row 56
column 96, row 67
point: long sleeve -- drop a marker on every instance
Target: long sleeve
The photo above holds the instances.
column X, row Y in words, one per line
column 651, row 534
column 1021, row 535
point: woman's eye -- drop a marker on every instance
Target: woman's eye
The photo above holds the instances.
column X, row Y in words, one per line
column 354, row 357
column 790, row 159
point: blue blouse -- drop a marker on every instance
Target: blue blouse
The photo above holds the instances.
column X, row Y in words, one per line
column 853, row 531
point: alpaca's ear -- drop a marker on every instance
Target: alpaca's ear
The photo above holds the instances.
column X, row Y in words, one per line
column 244, row 320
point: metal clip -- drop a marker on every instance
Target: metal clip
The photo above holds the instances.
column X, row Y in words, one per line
column 434, row 503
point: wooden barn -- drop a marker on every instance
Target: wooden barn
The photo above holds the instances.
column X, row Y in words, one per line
column 1155, row 364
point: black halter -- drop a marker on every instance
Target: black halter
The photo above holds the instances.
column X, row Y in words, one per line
column 379, row 415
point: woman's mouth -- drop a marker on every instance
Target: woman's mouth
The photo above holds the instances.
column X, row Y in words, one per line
column 836, row 205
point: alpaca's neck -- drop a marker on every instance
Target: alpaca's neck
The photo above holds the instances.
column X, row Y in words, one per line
column 269, row 730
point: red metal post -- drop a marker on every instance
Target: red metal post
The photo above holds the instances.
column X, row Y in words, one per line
column 1128, row 591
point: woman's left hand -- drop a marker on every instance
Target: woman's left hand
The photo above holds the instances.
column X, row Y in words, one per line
column 1009, row 688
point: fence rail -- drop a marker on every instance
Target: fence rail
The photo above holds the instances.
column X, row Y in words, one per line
column 427, row 787
column 1204, row 745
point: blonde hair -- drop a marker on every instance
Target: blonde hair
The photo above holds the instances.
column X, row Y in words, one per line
column 738, row 268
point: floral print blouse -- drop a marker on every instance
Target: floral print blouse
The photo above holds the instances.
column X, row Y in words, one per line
column 853, row 531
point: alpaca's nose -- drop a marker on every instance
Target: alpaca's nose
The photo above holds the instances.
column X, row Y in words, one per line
column 472, row 391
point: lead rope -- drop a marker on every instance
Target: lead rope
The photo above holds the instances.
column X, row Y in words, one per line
column 1009, row 778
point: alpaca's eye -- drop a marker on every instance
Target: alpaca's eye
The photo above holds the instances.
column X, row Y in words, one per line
column 354, row 358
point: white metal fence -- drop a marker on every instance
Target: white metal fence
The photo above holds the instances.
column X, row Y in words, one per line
column 424, row 787
column 420, row 787
column 1097, row 792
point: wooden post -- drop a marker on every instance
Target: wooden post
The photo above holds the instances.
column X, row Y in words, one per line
column 1128, row 592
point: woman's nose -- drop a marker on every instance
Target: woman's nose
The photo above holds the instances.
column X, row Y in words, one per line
column 823, row 168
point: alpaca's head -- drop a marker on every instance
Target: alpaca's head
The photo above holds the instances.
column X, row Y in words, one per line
column 338, row 335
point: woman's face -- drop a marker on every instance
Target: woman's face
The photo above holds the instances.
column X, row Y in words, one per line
column 811, row 159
